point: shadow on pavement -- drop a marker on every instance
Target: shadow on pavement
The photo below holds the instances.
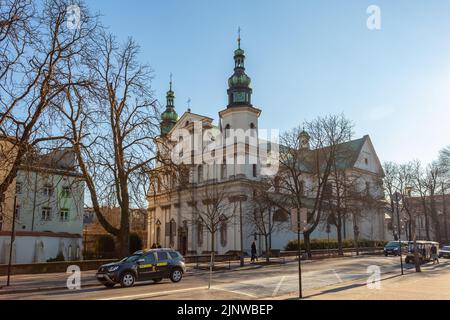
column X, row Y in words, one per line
column 348, row 287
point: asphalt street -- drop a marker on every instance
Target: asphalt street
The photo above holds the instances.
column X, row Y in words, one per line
column 257, row 283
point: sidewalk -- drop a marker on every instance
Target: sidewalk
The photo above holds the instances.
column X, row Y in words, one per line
column 430, row 284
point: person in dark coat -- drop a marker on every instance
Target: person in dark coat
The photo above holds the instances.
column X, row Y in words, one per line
column 254, row 257
column 154, row 246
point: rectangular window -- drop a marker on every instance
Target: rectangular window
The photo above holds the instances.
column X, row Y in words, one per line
column 64, row 215
column 18, row 188
column 47, row 190
column 65, row 192
column 46, row 214
column 17, row 211
column 254, row 171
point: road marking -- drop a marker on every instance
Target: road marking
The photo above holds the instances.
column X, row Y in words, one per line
column 337, row 276
column 148, row 295
column 275, row 292
column 234, row 291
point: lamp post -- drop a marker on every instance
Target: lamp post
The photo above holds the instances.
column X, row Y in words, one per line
column 11, row 241
column 399, row 229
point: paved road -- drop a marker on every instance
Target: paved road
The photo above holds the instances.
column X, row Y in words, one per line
column 263, row 282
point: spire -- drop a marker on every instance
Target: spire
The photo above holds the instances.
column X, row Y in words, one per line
column 169, row 117
column 239, row 38
column 239, row 91
column 170, row 96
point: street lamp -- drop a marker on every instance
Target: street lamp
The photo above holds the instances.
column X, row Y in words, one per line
column 12, row 239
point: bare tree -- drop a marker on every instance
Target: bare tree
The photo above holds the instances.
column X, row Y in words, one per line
column 418, row 181
column 327, row 135
column 389, row 184
column 306, row 165
column 432, row 179
column 214, row 211
column 112, row 128
column 36, row 51
column 444, row 165
column 261, row 216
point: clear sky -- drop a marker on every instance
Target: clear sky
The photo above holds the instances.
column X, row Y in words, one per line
column 306, row 58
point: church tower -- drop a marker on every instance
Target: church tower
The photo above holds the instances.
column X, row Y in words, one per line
column 169, row 117
column 240, row 114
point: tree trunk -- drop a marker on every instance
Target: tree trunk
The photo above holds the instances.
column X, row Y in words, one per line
column 266, row 240
column 211, row 264
column 307, row 241
column 416, row 255
column 339, row 239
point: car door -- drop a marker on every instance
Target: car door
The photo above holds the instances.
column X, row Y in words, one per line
column 162, row 266
column 147, row 267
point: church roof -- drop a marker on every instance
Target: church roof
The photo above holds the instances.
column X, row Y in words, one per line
column 347, row 154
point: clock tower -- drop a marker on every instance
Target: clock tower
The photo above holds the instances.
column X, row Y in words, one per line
column 239, row 120
column 239, row 91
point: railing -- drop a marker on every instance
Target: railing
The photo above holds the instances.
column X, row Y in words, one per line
column 323, row 253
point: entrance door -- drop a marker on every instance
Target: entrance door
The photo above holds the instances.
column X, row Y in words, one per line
column 183, row 240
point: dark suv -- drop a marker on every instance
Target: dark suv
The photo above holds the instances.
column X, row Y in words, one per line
column 155, row 264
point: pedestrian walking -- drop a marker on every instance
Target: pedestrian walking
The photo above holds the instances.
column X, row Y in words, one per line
column 434, row 254
column 254, row 257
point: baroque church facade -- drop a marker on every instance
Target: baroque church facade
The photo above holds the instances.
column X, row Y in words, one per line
column 174, row 205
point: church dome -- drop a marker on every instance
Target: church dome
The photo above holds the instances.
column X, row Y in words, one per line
column 239, row 80
column 169, row 115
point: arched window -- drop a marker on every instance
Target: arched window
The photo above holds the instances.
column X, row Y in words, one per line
column 252, row 125
column 200, row 174
column 223, row 171
column 227, row 130
column 172, row 232
column 70, row 253
column 199, row 233
column 223, row 233
column 78, row 253
column 158, row 232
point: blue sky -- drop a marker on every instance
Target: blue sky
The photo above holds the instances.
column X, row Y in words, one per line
column 306, row 58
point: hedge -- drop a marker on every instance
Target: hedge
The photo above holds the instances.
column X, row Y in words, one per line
column 318, row 244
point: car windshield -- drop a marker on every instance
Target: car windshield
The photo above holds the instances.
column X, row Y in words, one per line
column 392, row 244
column 132, row 258
column 446, row 248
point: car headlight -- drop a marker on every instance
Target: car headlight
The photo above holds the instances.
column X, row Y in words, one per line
column 112, row 269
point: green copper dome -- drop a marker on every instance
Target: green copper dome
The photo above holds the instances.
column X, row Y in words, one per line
column 239, row 80
column 169, row 117
column 169, row 114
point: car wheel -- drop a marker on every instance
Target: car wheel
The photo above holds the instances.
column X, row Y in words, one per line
column 157, row 280
column 127, row 280
column 176, row 275
column 385, row 254
column 109, row 285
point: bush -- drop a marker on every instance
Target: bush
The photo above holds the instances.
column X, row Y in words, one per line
column 58, row 258
column 323, row 244
column 135, row 242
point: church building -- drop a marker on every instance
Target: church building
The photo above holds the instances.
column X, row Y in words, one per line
column 177, row 206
